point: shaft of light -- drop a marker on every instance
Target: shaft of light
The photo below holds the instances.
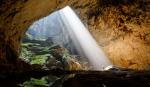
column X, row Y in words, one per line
column 82, row 39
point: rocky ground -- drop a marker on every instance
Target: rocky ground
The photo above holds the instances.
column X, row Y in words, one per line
column 121, row 78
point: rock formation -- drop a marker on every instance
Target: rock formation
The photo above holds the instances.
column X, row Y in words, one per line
column 121, row 27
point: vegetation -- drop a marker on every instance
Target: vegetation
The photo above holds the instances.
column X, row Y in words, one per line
column 36, row 83
column 36, row 52
column 43, row 52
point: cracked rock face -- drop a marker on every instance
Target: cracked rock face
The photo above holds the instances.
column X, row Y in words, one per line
column 121, row 27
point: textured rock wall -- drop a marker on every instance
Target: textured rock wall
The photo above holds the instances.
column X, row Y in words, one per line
column 121, row 27
column 15, row 18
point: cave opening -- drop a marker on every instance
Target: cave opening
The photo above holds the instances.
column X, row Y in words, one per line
column 60, row 40
column 62, row 29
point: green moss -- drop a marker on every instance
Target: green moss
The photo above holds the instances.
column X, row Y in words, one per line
column 36, row 83
column 39, row 59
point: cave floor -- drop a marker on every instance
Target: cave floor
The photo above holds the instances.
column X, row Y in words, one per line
column 121, row 78
column 109, row 79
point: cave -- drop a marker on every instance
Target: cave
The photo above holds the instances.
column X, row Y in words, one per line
column 121, row 28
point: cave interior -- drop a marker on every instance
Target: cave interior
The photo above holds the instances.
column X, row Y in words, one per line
column 120, row 27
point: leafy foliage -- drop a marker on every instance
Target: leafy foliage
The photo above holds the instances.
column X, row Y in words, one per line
column 36, row 82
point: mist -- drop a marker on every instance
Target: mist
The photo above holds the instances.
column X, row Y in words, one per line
column 66, row 29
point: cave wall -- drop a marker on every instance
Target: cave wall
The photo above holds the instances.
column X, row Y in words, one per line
column 121, row 27
column 16, row 16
